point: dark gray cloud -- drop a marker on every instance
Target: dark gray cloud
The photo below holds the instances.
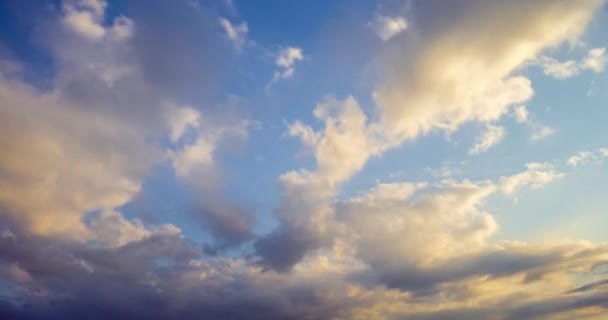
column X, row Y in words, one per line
column 534, row 264
column 284, row 247
column 154, row 278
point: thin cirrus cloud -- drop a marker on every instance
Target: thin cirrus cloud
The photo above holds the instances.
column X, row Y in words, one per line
column 237, row 33
column 147, row 105
column 388, row 27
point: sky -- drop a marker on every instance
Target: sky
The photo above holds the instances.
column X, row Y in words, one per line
column 412, row 159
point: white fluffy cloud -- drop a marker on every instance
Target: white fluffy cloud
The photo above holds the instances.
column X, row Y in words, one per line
column 66, row 163
column 595, row 60
column 74, row 149
column 85, row 18
column 392, row 228
column 440, row 86
column 340, row 149
column 560, row 70
column 444, row 82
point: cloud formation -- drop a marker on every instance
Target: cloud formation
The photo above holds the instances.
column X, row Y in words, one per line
column 132, row 100
column 444, row 83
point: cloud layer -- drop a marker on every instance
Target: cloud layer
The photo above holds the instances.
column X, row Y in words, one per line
column 134, row 99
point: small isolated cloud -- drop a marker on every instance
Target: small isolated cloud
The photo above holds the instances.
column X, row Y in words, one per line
column 286, row 60
column 559, row 70
column 536, row 176
column 540, row 132
column 388, row 27
column 585, row 157
column 594, row 61
column 521, row 114
column 490, row 137
column 237, row 33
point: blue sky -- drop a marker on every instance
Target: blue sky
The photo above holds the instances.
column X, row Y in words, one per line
column 354, row 159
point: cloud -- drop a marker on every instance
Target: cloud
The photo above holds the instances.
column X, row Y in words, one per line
column 560, row 70
column 538, row 130
column 286, row 60
column 541, row 132
column 54, row 155
column 196, row 140
column 442, row 85
column 165, row 276
column 87, row 143
column 584, row 157
column 340, row 150
column 236, row 33
column 444, row 82
column 85, row 18
column 388, row 27
column 399, row 232
column 521, row 114
column 197, row 152
column 536, row 176
column 596, row 60
column 489, row 138
column 119, row 104
column 181, row 119
column 112, row 229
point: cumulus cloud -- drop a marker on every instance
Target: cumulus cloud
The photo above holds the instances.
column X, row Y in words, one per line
column 340, row 150
column 76, row 152
column 87, row 143
column 444, row 82
column 400, row 233
column 388, row 27
column 85, row 18
column 475, row 84
column 489, row 138
column 56, row 146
